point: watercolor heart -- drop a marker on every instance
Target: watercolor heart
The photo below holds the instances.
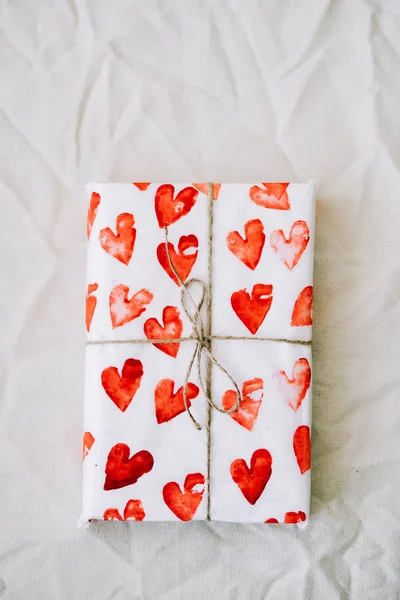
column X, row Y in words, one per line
column 123, row 310
column 91, row 302
column 294, row 517
column 289, row 251
column 252, row 395
column 88, row 441
column 92, row 212
column 203, row 187
column 171, row 329
column 252, row 481
column 290, row 517
column 122, row 388
column 122, row 470
column 252, row 310
column 142, row 186
column 249, row 249
column 272, row 521
column 121, row 244
column 272, row 195
column 302, row 310
column 184, row 504
column 170, row 210
column 302, row 447
column 169, row 405
column 133, row 512
column 294, row 390
column 183, row 263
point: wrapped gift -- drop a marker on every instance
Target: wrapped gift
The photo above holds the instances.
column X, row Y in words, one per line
column 198, row 361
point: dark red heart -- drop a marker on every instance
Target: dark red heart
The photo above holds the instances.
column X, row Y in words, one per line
column 252, row 481
column 169, row 405
column 122, row 470
column 121, row 389
column 252, row 310
column 184, row 504
column 183, row 263
column 169, row 209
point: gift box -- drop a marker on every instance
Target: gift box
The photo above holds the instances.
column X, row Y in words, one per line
column 198, row 360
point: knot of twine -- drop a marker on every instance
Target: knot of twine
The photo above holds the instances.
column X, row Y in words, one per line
column 203, row 342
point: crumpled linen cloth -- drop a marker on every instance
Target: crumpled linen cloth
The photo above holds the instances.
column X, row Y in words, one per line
column 197, row 91
column 141, row 448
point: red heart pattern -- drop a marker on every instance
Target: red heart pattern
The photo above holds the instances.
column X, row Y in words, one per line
column 169, row 209
column 290, row 250
column 302, row 310
column 294, row 390
column 122, row 383
column 121, row 244
column 249, row 249
column 272, row 195
column 122, row 388
column 252, row 395
column 122, row 470
column 183, row 263
column 171, row 329
column 184, row 504
column 169, row 405
column 253, row 309
column 92, row 212
column 302, row 447
column 252, row 481
column 123, row 310
column 133, row 512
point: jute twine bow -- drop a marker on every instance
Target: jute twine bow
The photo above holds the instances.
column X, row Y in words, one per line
column 203, row 342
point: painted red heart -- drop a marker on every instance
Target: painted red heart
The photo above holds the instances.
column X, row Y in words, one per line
column 142, row 186
column 249, row 249
column 122, row 388
column 203, row 187
column 123, row 310
column 184, row 504
column 91, row 302
column 169, row 209
column 302, row 310
column 183, row 263
column 133, row 512
column 302, row 447
column 252, row 395
column 252, row 310
column 294, row 390
column 88, row 441
column 289, row 251
column 290, row 517
column 92, row 212
column 252, row 481
column 112, row 514
column 122, row 470
column 272, row 195
column 121, row 244
column 169, row 405
column 294, row 517
column 171, row 329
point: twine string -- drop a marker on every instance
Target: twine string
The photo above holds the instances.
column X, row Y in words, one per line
column 202, row 342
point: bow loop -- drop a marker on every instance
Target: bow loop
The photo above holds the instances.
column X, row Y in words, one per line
column 203, row 341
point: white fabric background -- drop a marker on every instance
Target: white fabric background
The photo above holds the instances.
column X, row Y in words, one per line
column 198, row 91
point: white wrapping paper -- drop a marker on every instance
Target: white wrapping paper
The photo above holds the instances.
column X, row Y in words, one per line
column 143, row 458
